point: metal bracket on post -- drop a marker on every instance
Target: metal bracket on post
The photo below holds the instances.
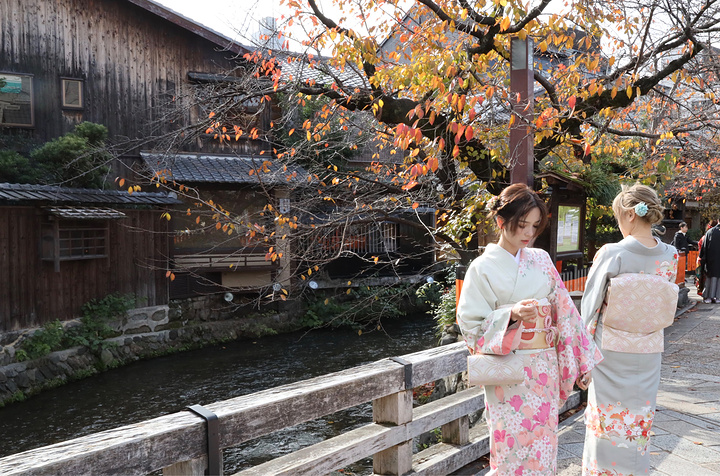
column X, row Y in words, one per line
column 408, row 370
column 213, row 439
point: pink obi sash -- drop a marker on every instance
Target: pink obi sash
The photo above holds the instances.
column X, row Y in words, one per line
column 638, row 307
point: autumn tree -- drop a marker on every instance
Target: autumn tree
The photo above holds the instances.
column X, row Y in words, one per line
column 616, row 76
column 416, row 95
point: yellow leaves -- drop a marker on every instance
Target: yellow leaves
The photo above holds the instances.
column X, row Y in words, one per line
column 291, row 132
column 613, row 93
column 543, row 46
column 629, row 92
column 166, row 216
column 505, row 24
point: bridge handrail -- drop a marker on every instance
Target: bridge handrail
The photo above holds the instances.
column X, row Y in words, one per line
column 176, row 442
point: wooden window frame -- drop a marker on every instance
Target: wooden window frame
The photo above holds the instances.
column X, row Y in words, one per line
column 30, row 91
column 81, row 94
column 73, row 240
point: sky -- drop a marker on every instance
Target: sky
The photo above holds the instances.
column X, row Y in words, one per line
column 232, row 16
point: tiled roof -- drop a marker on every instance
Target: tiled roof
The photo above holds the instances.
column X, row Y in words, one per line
column 12, row 193
column 208, row 168
column 295, row 68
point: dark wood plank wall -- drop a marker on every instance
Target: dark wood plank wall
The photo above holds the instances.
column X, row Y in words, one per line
column 32, row 293
column 128, row 57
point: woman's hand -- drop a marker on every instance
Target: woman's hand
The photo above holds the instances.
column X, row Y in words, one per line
column 525, row 311
column 583, row 381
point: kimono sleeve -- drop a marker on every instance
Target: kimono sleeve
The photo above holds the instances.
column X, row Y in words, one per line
column 484, row 327
column 605, row 265
column 576, row 350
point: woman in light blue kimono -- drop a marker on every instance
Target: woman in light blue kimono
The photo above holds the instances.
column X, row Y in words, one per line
column 621, row 397
column 498, row 313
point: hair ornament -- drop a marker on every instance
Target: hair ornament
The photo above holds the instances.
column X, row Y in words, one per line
column 641, row 209
column 492, row 203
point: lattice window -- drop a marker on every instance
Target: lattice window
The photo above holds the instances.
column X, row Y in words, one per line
column 67, row 240
column 368, row 238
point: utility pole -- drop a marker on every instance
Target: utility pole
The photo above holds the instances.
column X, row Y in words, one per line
column 522, row 85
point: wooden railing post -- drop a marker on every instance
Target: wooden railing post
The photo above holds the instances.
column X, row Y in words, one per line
column 395, row 409
column 456, row 432
column 193, row 467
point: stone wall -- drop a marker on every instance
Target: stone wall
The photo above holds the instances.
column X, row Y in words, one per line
column 142, row 333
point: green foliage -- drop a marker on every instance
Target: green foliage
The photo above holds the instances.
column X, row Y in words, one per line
column 695, row 234
column 45, row 340
column 14, row 168
column 440, row 296
column 94, row 328
column 91, row 333
column 77, row 159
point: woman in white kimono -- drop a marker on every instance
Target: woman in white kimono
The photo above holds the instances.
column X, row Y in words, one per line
column 621, row 397
column 498, row 314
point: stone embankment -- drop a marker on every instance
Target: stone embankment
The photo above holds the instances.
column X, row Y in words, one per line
column 142, row 333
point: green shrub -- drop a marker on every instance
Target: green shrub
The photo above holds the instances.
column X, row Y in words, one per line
column 45, row 340
column 95, row 315
column 440, row 296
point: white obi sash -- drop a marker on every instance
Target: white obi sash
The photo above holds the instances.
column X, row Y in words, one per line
column 638, row 307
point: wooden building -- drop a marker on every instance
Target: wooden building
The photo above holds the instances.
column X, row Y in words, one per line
column 62, row 247
column 119, row 63
column 142, row 71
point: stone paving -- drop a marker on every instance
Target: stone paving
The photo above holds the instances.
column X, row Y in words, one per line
column 686, row 430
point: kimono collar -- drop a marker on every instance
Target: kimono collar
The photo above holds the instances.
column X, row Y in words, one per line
column 632, row 244
column 502, row 256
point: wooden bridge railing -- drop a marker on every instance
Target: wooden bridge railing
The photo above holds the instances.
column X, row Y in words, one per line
column 177, row 443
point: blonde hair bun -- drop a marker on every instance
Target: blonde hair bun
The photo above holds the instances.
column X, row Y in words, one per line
column 637, row 196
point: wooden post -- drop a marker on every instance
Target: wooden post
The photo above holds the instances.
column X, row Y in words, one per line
column 193, row 467
column 456, row 432
column 395, row 409
column 522, row 84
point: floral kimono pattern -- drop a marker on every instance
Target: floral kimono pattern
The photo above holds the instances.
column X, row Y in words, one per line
column 523, row 418
column 622, row 395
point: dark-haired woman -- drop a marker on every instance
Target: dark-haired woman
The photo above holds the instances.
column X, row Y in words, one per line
column 498, row 314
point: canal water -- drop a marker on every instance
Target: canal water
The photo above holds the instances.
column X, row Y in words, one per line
column 151, row 388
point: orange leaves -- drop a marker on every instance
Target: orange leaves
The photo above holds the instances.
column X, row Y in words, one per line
column 571, row 104
column 469, row 133
column 170, row 274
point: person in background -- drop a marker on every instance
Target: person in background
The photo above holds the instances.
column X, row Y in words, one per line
column 623, row 391
column 699, row 266
column 498, row 314
column 680, row 241
column 710, row 261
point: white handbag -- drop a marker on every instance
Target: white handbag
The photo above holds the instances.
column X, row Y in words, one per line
column 489, row 369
